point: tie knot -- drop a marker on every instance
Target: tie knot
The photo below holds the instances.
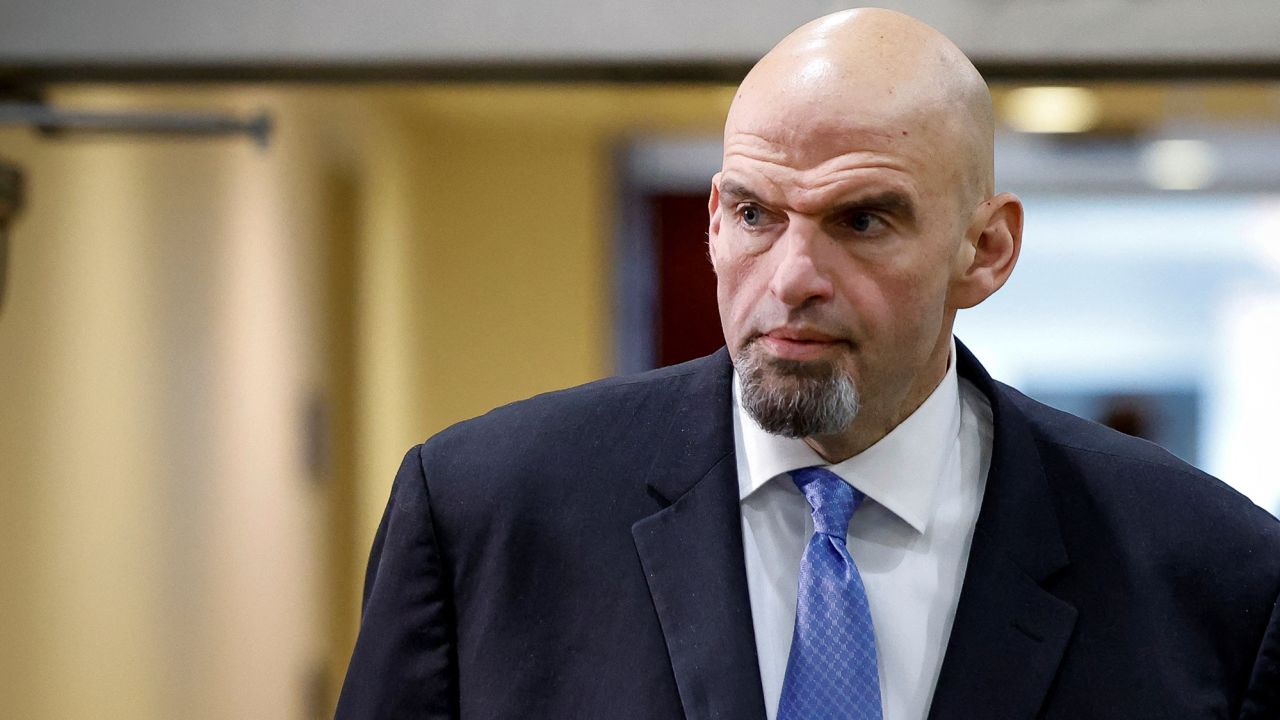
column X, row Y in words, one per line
column 833, row 500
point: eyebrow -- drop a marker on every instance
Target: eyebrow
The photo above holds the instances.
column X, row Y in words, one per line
column 893, row 202
column 736, row 192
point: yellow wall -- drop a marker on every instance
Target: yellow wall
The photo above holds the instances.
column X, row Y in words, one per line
column 159, row 341
column 488, row 266
column 411, row 255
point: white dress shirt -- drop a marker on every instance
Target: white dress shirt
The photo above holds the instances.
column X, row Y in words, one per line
column 910, row 538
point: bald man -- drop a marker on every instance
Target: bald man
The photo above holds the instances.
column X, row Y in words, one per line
column 840, row 514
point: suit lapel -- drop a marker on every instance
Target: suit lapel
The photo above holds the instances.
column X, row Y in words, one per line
column 691, row 551
column 1009, row 632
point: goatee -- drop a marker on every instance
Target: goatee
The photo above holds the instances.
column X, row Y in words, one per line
column 796, row 398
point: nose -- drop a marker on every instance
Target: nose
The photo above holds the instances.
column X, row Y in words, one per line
column 800, row 276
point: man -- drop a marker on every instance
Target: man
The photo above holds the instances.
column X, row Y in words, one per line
column 841, row 514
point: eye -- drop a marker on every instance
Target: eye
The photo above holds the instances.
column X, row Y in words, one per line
column 862, row 221
column 751, row 215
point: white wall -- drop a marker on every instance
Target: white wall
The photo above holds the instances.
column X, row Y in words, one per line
column 1150, row 293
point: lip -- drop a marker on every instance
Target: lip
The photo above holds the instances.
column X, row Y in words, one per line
column 798, row 344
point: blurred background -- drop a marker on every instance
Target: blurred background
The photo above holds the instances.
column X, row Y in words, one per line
column 256, row 251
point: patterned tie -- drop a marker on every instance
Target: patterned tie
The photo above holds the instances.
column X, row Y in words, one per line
column 831, row 672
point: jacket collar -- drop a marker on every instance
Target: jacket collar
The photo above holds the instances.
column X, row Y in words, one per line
column 691, row 551
column 1009, row 632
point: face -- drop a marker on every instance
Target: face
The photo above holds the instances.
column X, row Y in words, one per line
column 834, row 248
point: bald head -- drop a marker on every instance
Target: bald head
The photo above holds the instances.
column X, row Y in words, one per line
column 852, row 217
column 880, row 72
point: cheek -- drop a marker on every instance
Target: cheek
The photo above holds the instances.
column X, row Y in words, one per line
column 735, row 252
column 738, row 289
column 919, row 311
column 897, row 304
column 730, row 292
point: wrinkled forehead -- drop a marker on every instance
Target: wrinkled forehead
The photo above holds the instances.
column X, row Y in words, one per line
column 804, row 134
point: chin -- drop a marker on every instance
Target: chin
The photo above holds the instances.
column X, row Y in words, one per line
column 797, row 398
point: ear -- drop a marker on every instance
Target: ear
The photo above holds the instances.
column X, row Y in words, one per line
column 985, row 258
column 713, row 213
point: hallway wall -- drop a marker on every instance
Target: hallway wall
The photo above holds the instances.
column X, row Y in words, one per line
column 213, row 357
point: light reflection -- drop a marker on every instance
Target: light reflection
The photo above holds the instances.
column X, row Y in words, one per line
column 1179, row 164
column 1051, row 109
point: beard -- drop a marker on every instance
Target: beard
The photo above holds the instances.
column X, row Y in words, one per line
column 796, row 398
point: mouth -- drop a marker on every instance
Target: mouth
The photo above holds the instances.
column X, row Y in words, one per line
column 799, row 345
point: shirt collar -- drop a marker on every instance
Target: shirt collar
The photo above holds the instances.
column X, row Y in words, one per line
column 901, row 471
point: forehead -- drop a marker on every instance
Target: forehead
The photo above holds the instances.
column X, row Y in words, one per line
column 803, row 141
column 815, row 162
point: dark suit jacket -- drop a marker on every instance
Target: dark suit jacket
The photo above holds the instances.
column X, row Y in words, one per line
column 579, row 555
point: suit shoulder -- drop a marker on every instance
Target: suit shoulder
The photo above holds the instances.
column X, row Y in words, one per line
column 1062, row 429
column 586, row 413
column 1139, row 474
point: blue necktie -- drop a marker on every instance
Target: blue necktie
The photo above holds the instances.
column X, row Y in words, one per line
column 831, row 671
